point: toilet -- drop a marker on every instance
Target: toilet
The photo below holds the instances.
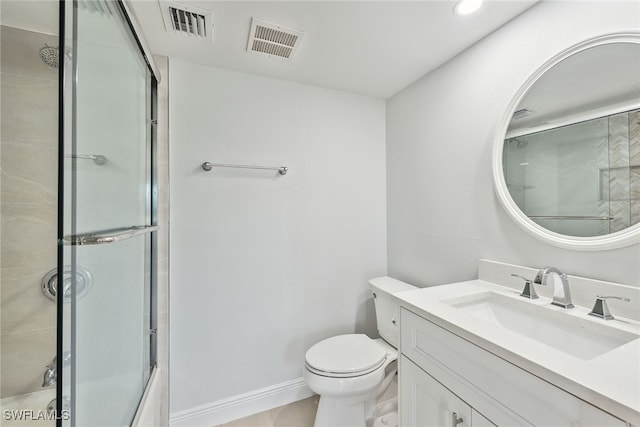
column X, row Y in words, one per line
column 351, row 372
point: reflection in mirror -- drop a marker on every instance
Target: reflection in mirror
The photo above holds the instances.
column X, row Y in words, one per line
column 571, row 155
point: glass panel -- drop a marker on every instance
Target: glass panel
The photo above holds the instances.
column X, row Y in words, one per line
column 107, row 187
column 559, row 177
column 111, row 332
column 111, row 121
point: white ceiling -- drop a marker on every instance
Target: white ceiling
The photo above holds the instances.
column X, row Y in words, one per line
column 39, row 16
column 373, row 48
column 594, row 81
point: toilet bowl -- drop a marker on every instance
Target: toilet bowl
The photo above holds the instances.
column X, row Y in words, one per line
column 351, row 371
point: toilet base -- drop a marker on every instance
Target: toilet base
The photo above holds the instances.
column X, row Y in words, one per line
column 334, row 412
column 363, row 410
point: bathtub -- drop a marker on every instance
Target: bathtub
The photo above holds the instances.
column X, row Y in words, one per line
column 28, row 406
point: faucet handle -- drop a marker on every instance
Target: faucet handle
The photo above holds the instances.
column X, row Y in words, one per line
column 529, row 291
column 600, row 308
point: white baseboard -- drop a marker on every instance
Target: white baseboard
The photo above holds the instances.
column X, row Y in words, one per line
column 242, row 405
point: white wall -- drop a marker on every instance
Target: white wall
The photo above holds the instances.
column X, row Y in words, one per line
column 442, row 211
column 262, row 265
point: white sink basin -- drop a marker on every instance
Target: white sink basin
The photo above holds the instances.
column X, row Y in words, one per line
column 579, row 337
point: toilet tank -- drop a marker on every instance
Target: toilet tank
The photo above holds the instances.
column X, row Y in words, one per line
column 387, row 308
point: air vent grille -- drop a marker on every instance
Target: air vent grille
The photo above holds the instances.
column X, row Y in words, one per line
column 275, row 36
column 272, row 39
column 187, row 20
column 522, row 113
column 271, row 48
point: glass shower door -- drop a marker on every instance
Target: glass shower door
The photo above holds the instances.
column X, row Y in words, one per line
column 109, row 224
column 559, row 177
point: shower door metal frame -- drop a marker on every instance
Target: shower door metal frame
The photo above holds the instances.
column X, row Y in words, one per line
column 68, row 24
column 62, row 69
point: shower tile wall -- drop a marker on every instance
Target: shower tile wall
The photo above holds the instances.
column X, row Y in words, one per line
column 634, row 160
column 624, row 169
column 28, row 170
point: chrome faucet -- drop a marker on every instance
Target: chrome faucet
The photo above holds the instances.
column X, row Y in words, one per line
column 50, row 374
column 51, row 371
column 561, row 294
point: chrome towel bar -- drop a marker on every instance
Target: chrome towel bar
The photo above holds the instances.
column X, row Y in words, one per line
column 111, row 236
column 207, row 166
column 588, row 218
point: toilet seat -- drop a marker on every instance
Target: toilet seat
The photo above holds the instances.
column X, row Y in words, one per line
column 345, row 356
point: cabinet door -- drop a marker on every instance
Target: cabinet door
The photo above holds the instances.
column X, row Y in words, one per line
column 427, row 403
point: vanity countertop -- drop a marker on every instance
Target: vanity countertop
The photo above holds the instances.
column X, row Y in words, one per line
column 610, row 381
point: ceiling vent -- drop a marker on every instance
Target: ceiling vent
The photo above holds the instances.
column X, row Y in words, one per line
column 522, row 113
column 273, row 40
column 187, row 20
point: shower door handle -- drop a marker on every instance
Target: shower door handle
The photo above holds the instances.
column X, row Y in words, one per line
column 106, row 237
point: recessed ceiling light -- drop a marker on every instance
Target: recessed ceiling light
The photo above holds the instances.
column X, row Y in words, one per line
column 465, row 7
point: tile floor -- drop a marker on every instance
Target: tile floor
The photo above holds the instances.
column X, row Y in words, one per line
column 297, row 414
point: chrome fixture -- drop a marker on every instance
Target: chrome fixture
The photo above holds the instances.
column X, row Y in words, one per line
column 50, row 374
column 82, row 278
column 600, row 308
column 50, row 56
column 529, row 290
column 586, row 218
column 66, row 404
column 207, row 166
column 111, row 236
column 561, row 294
column 51, row 371
column 98, row 159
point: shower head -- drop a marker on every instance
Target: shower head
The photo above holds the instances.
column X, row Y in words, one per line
column 51, row 56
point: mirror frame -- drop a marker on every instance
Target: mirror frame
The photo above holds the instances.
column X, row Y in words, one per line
column 628, row 236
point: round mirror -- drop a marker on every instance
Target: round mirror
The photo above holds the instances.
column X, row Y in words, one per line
column 566, row 161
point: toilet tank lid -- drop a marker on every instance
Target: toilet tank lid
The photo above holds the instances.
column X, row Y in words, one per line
column 390, row 285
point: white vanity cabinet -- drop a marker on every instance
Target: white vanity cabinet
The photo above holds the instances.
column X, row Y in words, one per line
column 427, row 403
column 441, row 373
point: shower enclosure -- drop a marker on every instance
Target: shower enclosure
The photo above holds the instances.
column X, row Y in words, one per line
column 78, row 213
column 577, row 179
